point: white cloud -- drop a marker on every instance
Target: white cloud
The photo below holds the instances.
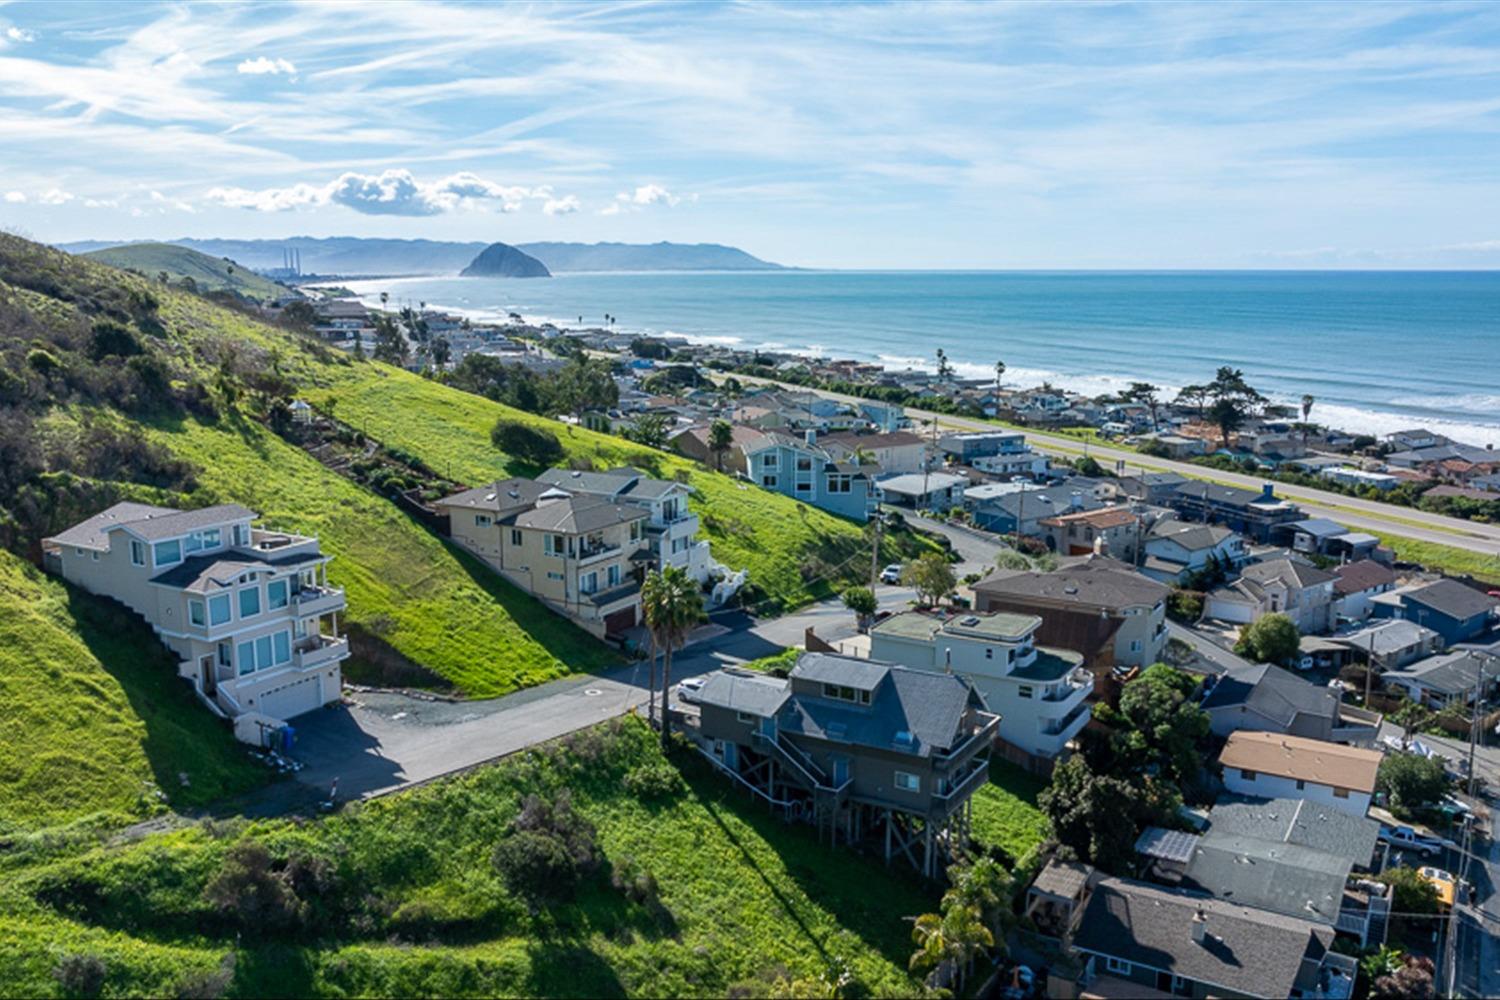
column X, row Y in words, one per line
column 262, row 66
column 56, row 196
column 649, row 194
column 15, row 197
column 16, row 34
column 393, row 192
column 562, row 206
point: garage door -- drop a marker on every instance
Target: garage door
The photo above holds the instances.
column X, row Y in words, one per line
column 292, row 698
column 620, row 621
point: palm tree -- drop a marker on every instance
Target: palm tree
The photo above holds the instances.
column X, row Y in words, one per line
column 384, row 298
column 957, row 935
column 1307, row 405
column 720, row 437
column 999, row 374
column 672, row 604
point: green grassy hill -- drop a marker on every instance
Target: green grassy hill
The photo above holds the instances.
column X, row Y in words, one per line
column 208, row 274
column 400, row 897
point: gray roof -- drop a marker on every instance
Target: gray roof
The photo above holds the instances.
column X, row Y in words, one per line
column 1389, row 636
column 1298, row 822
column 1049, row 501
column 1451, row 598
column 1293, row 573
column 577, row 515
column 1244, row 950
column 1454, row 672
column 1191, row 536
column 201, row 574
column 1062, row 878
column 1272, row 692
column 501, row 495
column 744, row 692
column 1231, row 496
column 1319, row 527
column 1366, row 574
column 919, row 484
column 622, row 481
column 1096, row 581
column 1270, row 875
column 149, row 522
column 929, row 707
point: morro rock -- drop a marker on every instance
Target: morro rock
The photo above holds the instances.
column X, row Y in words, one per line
column 501, row 260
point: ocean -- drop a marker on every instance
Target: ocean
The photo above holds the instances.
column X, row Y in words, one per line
column 1379, row 351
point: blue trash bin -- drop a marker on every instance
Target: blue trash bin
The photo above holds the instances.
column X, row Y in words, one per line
column 288, row 738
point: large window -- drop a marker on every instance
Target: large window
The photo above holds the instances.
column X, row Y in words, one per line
column 218, row 609
column 245, row 654
column 276, row 594
column 167, row 553
column 249, row 602
column 589, row 583
column 842, row 693
column 908, row 782
column 841, row 483
column 196, row 614
column 768, row 461
column 482, row 521
column 137, row 553
column 282, row 647
column 553, row 545
column 200, row 540
column 614, row 576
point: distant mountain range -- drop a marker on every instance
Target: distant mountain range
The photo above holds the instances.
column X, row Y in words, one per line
column 351, row 255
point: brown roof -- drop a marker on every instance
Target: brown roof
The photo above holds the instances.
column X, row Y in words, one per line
column 1366, row 574
column 1104, row 517
column 1302, row 759
column 892, row 439
column 1092, row 583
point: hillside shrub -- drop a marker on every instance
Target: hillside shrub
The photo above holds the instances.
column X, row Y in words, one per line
column 113, row 340
column 80, row 975
column 250, row 894
column 530, row 444
column 654, row 781
column 549, row 849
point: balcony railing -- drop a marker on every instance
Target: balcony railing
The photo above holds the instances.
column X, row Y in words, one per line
column 594, row 553
column 319, row 651
column 960, row 789
column 280, row 543
column 318, row 600
column 1078, row 681
column 980, row 736
column 1061, row 726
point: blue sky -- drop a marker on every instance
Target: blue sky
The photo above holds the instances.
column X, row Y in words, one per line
column 890, row 135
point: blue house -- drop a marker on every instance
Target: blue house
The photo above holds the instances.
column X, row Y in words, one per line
column 801, row 469
column 886, row 418
column 1452, row 610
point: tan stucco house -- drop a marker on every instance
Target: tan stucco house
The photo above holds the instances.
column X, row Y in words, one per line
column 248, row 612
column 581, row 555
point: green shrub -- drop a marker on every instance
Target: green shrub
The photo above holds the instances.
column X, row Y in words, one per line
column 654, row 781
column 250, row 894
column 528, row 443
column 80, row 975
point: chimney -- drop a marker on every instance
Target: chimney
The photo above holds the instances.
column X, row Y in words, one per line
column 1200, row 925
column 810, row 435
column 1268, row 491
column 1075, row 500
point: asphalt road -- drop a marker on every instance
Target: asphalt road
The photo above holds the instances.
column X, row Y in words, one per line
column 1362, row 515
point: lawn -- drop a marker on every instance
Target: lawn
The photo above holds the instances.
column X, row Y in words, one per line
column 408, row 902
column 795, row 553
column 1005, row 811
column 95, row 728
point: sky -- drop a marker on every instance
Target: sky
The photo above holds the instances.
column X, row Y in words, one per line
column 990, row 135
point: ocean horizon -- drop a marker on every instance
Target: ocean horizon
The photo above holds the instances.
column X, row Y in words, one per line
column 1378, row 350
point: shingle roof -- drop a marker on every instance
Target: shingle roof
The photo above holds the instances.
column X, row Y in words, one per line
column 890, row 439
column 1296, row 821
column 742, row 692
column 1366, row 574
column 1268, row 875
column 501, row 495
column 1454, row 672
column 1389, row 636
column 1292, row 573
column 1302, row 759
column 1191, row 536
column 149, row 522
column 1272, row 692
column 826, row 668
column 1246, row 951
column 1451, row 598
column 577, row 515
column 1095, row 582
column 200, row 574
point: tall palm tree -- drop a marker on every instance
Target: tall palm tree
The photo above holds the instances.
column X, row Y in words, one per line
column 1307, row 405
column 672, row 604
column 384, row 298
column 999, row 374
column 720, row 438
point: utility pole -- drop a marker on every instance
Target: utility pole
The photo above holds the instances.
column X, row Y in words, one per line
column 875, row 551
column 1369, row 668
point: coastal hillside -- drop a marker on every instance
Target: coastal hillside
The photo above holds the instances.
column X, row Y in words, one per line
column 185, row 266
column 645, row 257
column 501, row 260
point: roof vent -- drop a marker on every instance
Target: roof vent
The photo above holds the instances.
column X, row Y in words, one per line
column 1071, row 588
column 489, row 496
column 513, row 494
column 970, row 621
column 576, row 474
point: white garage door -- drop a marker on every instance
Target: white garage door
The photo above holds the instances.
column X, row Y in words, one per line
column 291, row 699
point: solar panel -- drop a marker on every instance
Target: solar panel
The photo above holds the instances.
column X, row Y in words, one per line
column 1167, row 845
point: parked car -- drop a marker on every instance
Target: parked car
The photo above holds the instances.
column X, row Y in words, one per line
column 1444, row 882
column 891, row 574
column 688, row 689
column 1407, row 839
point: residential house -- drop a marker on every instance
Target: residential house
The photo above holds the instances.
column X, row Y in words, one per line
column 1391, row 644
column 1133, row 939
column 940, row 491
column 1040, row 694
column 1428, row 460
column 577, row 553
column 343, row 320
column 799, row 468
column 1280, row 766
column 1411, row 440
column 1112, row 531
column 1311, row 536
column 884, row 417
column 1291, row 587
column 1031, row 464
column 1245, row 511
column 966, row 446
column 1458, row 676
column 1262, row 697
column 1176, row 550
column 1456, row 612
column 1356, row 584
column 1009, row 512
column 693, row 442
column 247, row 612
column 1488, row 484
column 1178, row 446
column 1095, row 606
column 866, row 750
column 1346, row 475
column 1295, row 857
column 894, row 451
column 671, row 532
column 1155, row 488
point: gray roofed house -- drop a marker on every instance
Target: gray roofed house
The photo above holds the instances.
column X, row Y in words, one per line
column 671, row 533
column 862, row 748
column 501, row 496
column 1291, row 587
column 1300, row 822
column 1247, row 512
column 1440, row 680
column 1267, row 698
column 575, row 515
column 1457, row 612
column 203, row 574
column 93, row 533
column 1391, row 643
column 1175, row 941
column 148, row 522
column 1269, row 875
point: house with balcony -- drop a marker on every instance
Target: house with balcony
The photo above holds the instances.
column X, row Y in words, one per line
column 799, row 468
column 581, row 555
column 1096, row 606
column 1250, row 513
column 248, row 612
column 1114, row 531
column 1009, row 512
column 671, row 530
column 1040, row 694
column 1291, row 587
column 894, row 451
column 1176, row 550
column 868, row 752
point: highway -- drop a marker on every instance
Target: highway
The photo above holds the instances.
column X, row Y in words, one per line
column 1352, row 512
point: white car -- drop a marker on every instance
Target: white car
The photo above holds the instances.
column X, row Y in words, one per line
column 1406, row 839
column 891, row 574
column 688, row 690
